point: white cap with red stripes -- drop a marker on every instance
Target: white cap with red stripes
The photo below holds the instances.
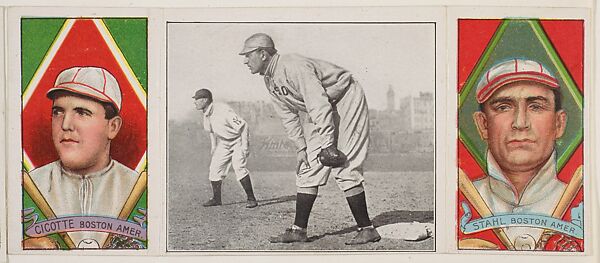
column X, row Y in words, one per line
column 94, row 82
column 512, row 71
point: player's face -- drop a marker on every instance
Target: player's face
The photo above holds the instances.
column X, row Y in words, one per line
column 201, row 103
column 520, row 125
column 81, row 134
column 255, row 61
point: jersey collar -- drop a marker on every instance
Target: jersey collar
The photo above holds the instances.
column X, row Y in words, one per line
column 503, row 188
column 90, row 175
column 209, row 110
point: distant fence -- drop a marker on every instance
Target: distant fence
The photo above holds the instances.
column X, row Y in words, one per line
column 387, row 152
column 380, row 143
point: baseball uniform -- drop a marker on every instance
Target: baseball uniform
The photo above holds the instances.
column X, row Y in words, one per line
column 227, row 126
column 539, row 198
column 101, row 193
column 337, row 114
column 335, row 130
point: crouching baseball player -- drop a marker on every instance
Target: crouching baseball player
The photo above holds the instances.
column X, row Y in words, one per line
column 338, row 118
column 229, row 145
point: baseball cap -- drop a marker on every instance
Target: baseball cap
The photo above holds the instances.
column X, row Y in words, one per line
column 256, row 41
column 512, row 71
column 94, row 82
column 202, row 93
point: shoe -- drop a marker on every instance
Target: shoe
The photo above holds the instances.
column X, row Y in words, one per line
column 212, row 202
column 365, row 235
column 290, row 236
column 251, row 204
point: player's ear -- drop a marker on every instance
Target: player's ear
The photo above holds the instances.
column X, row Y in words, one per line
column 114, row 125
column 481, row 123
column 263, row 55
column 561, row 123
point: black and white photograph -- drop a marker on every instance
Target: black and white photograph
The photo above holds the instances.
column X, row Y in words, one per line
column 300, row 136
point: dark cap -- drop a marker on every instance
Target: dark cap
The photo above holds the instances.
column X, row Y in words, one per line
column 203, row 93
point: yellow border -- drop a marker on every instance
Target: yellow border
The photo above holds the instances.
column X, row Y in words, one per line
column 137, row 86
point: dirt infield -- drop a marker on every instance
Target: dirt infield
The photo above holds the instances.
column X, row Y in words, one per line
column 392, row 197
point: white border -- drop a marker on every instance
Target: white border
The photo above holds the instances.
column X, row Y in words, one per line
column 542, row 13
column 13, row 105
column 3, row 140
column 156, row 145
column 297, row 3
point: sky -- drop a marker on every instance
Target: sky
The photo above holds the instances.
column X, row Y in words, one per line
column 205, row 55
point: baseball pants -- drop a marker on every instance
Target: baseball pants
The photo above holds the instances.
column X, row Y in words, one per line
column 227, row 152
column 351, row 118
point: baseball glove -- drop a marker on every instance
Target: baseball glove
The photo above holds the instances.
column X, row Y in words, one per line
column 560, row 242
column 332, row 157
column 124, row 242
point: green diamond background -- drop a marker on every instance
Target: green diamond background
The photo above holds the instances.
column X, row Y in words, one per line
column 130, row 34
column 521, row 38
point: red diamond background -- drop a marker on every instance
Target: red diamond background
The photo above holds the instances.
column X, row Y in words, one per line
column 83, row 46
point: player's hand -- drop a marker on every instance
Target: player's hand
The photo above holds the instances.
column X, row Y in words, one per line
column 301, row 157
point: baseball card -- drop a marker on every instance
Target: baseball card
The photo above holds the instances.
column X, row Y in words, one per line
column 303, row 134
column 265, row 131
column 83, row 133
column 522, row 176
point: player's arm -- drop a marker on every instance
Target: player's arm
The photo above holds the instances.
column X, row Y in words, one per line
column 240, row 126
column 245, row 139
column 213, row 143
column 213, row 140
column 291, row 122
column 320, row 111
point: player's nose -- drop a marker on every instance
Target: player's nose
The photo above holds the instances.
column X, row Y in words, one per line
column 67, row 122
column 521, row 118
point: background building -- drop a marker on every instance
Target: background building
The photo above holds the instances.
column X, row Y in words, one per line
column 401, row 136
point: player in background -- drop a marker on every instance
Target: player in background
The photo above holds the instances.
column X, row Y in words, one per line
column 335, row 136
column 228, row 145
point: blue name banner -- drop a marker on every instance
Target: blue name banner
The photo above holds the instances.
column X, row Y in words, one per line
column 574, row 228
